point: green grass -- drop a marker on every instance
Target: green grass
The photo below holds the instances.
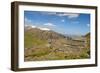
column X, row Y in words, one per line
column 30, row 40
column 41, row 52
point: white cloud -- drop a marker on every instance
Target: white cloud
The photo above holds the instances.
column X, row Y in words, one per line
column 33, row 26
column 49, row 24
column 44, row 28
column 88, row 25
column 73, row 15
column 29, row 25
column 27, row 20
column 63, row 20
column 69, row 15
column 50, row 13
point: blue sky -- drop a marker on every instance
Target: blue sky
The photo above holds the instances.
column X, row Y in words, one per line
column 61, row 22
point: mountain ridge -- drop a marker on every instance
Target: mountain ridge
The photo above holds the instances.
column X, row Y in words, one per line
column 41, row 28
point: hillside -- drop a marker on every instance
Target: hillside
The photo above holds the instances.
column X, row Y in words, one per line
column 44, row 44
column 88, row 42
column 40, row 37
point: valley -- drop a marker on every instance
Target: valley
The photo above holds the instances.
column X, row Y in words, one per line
column 41, row 45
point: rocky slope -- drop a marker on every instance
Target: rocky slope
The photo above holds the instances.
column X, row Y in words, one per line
column 45, row 44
